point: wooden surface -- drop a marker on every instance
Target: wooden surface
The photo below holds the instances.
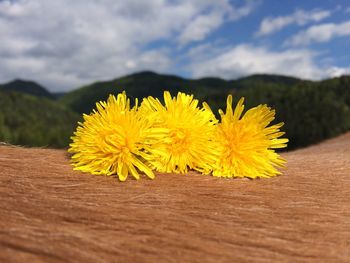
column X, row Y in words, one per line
column 48, row 213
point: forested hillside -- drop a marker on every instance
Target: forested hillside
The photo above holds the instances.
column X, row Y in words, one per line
column 34, row 121
column 312, row 111
column 27, row 87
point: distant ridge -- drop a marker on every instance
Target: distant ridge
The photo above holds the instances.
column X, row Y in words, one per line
column 148, row 78
column 149, row 83
column 270, row 78
column 138, row 85
column 27, row 87
column 152, row 81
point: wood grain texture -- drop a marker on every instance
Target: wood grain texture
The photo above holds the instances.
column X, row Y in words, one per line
column 48, row 213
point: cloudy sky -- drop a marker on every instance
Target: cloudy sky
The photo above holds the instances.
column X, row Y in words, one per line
column 64, row 44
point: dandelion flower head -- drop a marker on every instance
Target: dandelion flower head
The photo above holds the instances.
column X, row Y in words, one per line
column 188, row 143
column 114, row 140
column 247, row 143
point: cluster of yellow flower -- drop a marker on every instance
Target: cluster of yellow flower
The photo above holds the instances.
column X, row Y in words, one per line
column 116, row 139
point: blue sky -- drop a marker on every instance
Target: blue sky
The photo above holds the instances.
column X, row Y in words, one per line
column 64, row 44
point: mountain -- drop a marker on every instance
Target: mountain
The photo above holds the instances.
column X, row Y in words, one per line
column 27, row 87
column 34, row 121
column 147, row 83
column 137, row 85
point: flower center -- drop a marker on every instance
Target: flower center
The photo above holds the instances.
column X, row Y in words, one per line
column 180, row 140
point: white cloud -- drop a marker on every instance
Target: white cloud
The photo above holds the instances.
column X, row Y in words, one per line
column 320, row 33
column 271, row 25
column 204, row 24
column 66, row 43
column 200, row 28
column 242, row 60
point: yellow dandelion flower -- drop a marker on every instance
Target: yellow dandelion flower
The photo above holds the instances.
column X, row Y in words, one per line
column 247, row 144
column 114, row 139
column 188, row 143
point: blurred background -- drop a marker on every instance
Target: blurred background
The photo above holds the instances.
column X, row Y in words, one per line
column 57, row 58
